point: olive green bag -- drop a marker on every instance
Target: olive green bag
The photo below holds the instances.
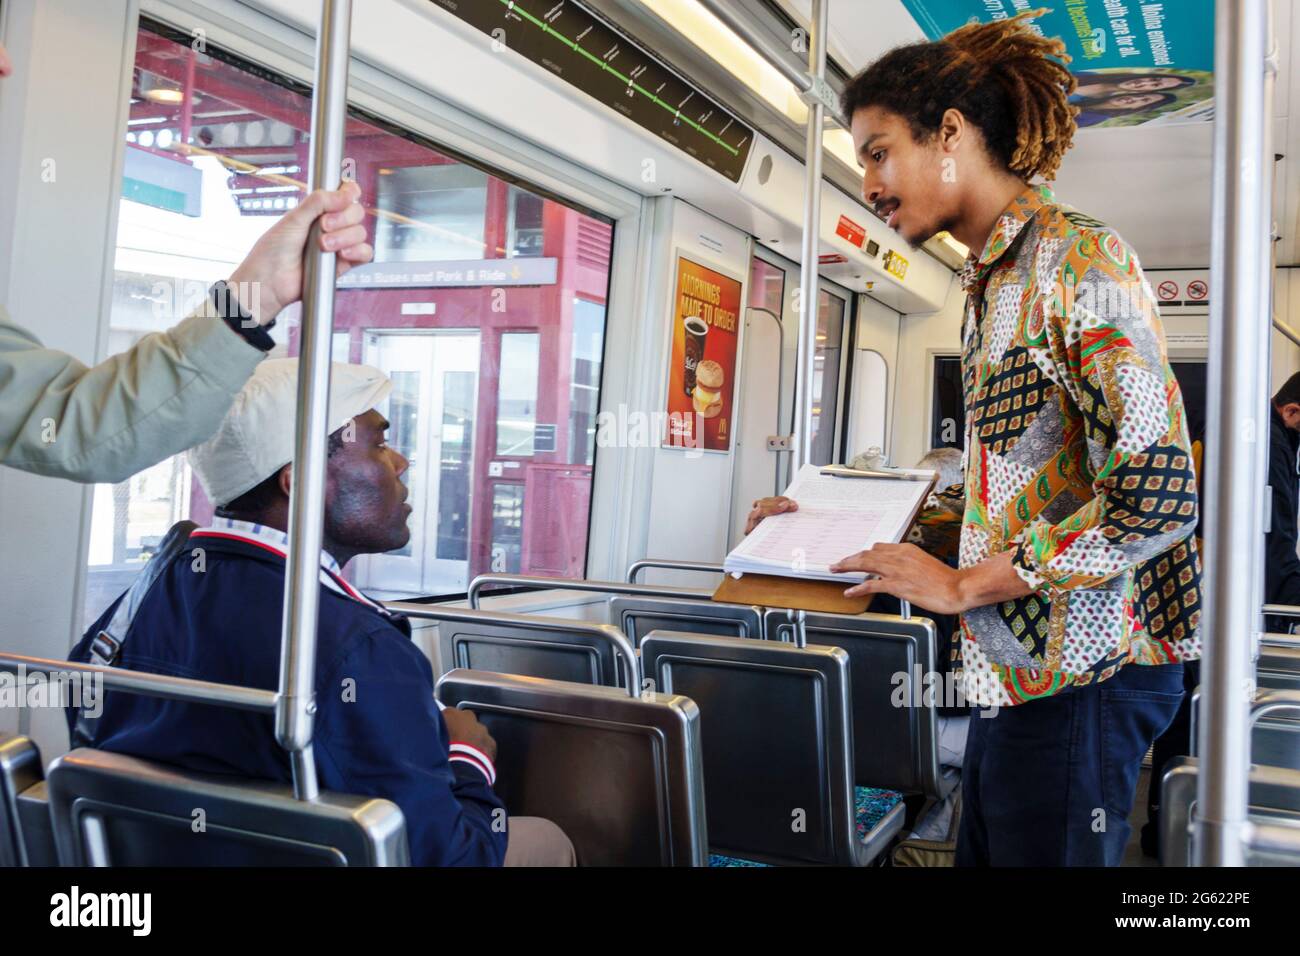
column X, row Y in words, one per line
column 931, row 852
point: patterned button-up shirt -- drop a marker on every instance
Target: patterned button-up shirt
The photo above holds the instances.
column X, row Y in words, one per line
column 1077, row 462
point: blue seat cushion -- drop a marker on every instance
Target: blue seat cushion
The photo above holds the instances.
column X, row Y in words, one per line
column 869, row 808
column 871, row 805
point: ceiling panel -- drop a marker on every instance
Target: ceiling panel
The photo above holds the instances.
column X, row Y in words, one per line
column 1151, row 184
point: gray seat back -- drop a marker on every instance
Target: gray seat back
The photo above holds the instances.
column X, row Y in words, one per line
column 1274, row 798
column 778, row 743
column 895, row 719
column 26, row 838
column 638, row 616
column 527, row 644
column 620, row 775
column 109, row 809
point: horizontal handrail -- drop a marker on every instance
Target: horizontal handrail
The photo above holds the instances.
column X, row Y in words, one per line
column 1282, row 610
column 1272, row 702
column 1271, row 639
column 636, row 567
column 622, row 646
column 151, row 685
column 538, row 583
column 1274, row 837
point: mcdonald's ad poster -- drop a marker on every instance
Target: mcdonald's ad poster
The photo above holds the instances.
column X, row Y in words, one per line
column 702, row 376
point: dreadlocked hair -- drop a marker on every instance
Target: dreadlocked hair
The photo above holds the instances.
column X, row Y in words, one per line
column 1002, row 76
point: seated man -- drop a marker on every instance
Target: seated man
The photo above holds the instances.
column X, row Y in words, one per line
column 215, row 614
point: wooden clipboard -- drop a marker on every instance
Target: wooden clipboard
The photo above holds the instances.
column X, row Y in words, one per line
column 770, row 590
column 802, row 594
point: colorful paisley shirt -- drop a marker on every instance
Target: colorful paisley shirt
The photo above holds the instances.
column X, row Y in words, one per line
column 1077, row 462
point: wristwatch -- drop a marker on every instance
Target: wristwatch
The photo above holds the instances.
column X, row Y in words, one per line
column 227, row 305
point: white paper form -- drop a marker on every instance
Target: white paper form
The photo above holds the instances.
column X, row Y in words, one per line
column 837, row 517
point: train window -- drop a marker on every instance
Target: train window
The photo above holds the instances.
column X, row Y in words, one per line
column 526, row 230
column 216, row 150
column 826, row 376
column 438, row 213
column 948, row 415
column 517, row 394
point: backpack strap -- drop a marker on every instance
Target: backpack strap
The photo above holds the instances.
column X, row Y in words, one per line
column 106, row 646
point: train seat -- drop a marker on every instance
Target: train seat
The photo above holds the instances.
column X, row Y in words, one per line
column 109, row 809
column 26, row 837
column 621, row 776
column 549, row 647
column 1278, row 667
column 1274, row 739
column 1274, row 799
column 895, row 748
column 778, row 758
column 638, row 616
column 870, row 806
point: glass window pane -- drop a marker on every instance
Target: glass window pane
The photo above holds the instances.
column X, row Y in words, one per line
column 526, row 226
column 212, row 165
column 438, row 213
column 517, row 393
column 826, row 375
column 507, row 528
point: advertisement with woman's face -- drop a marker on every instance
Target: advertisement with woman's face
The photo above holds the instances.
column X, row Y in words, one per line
column 1134, row 63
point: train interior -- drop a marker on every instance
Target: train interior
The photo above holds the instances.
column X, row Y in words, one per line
column 536, row 221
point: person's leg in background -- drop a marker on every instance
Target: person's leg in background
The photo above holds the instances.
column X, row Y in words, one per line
column 1174, row 742
column 536, row 841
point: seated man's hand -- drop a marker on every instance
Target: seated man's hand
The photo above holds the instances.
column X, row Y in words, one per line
column 766, row 507
column 271, row 278
column 463, row 728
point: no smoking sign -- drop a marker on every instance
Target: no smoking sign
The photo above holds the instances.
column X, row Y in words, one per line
column 1167, row 290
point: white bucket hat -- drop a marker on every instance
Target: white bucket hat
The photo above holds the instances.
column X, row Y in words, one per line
column 256, row 438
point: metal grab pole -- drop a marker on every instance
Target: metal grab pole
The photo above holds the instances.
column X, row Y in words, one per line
column 1239, row 329
column 812, row 219
column 293, row 715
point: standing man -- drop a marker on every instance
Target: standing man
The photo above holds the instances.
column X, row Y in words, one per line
column 1282, row 569
column 1078, row 582
column 171, row 389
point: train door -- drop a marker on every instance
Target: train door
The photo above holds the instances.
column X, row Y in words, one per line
column 431, row 422
column 770, row 359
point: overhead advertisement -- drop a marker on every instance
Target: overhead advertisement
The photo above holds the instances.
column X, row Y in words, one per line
column 1136, row 62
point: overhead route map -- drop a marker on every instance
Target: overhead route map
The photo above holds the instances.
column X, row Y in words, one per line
column 573, row 43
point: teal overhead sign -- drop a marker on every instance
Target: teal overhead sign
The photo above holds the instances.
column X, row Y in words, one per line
column 1137, row 61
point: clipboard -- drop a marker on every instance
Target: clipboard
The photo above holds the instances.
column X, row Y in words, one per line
column 806, row 594
column 770, row 590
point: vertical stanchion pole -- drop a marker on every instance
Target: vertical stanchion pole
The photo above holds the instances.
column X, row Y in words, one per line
column 812, row 219
column 1239, row 329
column 296, row 706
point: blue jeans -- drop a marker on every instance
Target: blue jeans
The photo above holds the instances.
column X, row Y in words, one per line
column 1051, row 782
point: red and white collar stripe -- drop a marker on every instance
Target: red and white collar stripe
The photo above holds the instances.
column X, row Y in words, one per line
column 465, row 753
column 277, row 542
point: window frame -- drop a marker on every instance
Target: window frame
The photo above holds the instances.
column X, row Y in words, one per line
column 284, row 54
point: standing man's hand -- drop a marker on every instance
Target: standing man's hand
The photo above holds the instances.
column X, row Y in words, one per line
column 766, row 507
column 271, row 278
column 910, row 574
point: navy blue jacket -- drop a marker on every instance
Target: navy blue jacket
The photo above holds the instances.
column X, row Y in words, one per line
column 1282, row 565
column 378, row 731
